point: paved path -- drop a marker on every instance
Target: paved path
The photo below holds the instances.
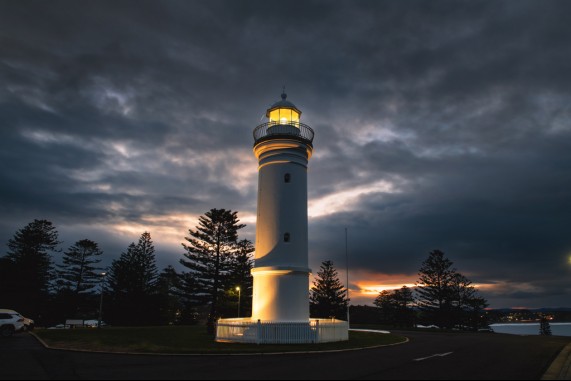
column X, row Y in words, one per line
column 427, row 356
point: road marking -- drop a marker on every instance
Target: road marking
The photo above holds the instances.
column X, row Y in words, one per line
column 436, row 355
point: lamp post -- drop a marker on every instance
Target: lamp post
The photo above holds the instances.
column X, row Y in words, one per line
column 239, row 299
column 101, row 300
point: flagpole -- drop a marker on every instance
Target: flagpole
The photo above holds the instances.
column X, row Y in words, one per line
column 347, row 272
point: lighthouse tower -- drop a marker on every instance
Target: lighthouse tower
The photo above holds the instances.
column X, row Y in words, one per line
column 280, row 305
column 283, row 147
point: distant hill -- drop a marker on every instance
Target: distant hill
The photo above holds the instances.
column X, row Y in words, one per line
column 503, row 315
column 543, row 309
column 557, row 309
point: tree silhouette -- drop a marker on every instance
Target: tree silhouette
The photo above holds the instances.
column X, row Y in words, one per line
column 434, row 287
column 132, row 280
column 387, row 305
column 239, row 275
column 328, row 295
column 78, row 276
column 29, row 271
column 446, row 297
column 169, row 301
column 396, row 306
column 78, row 272
column 191, row 302
column 209, row 252
column 544, row 326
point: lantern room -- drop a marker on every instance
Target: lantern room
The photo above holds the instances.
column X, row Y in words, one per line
column 283, row 112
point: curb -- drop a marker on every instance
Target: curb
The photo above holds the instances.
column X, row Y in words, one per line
column 45, row 345
column 560, row 369
column 40, row 340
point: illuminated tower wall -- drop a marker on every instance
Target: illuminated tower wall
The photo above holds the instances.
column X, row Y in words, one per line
column 283, row 147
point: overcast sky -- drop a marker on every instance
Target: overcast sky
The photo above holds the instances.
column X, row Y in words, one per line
column 439, row 125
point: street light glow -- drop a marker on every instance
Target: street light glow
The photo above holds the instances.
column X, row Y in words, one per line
column 239, row 299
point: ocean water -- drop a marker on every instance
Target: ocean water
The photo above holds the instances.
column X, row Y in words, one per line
column 557, row 329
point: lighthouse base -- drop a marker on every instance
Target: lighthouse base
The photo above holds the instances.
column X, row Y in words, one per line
column 270, row 332
column 281, row 294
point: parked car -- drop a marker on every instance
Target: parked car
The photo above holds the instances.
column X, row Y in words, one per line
column 29, row 324
column 93, row 323
column 10, row 323
column 427, row 326
column 61, row 326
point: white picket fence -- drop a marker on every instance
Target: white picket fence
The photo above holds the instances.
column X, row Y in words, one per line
column 269, row 332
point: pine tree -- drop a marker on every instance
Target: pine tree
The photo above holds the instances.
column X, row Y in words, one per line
column 434, row 288
column 475, row 315
column 30, row 270
column 132, row 282
column 78, row 278
column 145, row 266
column 169, row 301
column 239, row 275
column 387, row 305
column 121, row 280
column 328, row 295
column 209, row 251
column 404, row 297
column 188, row 293
column 395, row 306
column 404, row 314
column 79, row 272
column 446, row 297
column 544, row 326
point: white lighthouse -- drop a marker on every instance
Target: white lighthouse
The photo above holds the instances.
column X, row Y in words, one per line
column 280, row 306
column 283, row 147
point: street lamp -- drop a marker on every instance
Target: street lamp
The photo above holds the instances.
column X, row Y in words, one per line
column 101, row 300
column 239, row 299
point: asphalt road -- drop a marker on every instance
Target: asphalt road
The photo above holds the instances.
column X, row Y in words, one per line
column 427, row 356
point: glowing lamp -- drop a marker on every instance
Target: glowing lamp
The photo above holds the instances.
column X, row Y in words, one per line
column 284, row 112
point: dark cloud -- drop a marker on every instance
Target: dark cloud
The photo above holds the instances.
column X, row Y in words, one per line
column 440, row 124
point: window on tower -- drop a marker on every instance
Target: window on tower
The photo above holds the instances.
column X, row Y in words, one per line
column 287, row 178
column 286, row 237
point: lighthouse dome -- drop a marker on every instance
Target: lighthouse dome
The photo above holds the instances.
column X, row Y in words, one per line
column 283, row 111
column 283, row 103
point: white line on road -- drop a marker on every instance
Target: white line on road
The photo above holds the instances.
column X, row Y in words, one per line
column 436, row 355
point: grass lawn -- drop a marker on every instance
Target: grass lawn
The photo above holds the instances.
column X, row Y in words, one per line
column 188, row 340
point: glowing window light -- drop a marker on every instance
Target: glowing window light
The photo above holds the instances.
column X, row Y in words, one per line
column 284, row 116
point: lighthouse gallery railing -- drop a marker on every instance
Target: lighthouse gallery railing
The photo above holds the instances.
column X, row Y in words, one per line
column 291, row 129
column 268, row 332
